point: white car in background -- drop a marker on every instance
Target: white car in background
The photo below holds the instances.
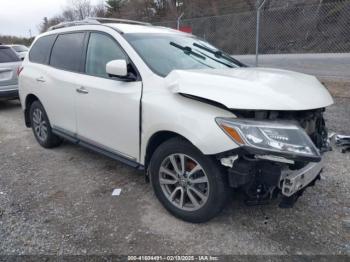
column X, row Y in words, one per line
column 21, row 50
column 9, row 66
column 196, row 120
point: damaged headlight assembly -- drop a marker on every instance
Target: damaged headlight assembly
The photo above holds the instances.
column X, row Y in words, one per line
column 281, row 138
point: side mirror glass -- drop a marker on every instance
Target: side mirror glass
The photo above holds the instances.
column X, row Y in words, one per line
column 117, row 68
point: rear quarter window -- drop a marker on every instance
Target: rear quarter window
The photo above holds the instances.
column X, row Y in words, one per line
column 7, row 55
column 67, row 52
column 40, row 51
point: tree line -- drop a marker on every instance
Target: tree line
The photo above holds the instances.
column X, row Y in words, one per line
column 7, row 39
column 163, row 10
column 146, row 10
column 143, row 10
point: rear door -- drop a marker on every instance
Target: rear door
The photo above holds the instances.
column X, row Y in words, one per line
column 108, row 108
column 62, row 79
column 34, row 78
column 9, row 63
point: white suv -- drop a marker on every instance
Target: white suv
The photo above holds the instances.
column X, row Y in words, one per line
column 196, row 120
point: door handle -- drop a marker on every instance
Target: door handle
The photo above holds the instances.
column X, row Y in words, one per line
column 82, row 90
column 40, row 79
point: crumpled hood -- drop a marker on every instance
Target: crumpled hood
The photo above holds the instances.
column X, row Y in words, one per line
column 252, row 88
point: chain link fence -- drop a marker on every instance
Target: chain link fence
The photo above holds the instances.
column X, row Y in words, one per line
column 319, row 28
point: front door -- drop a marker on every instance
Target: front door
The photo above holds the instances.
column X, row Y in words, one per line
column 107, row 108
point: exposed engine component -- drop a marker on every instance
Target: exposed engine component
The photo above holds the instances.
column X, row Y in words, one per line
column 259, row 179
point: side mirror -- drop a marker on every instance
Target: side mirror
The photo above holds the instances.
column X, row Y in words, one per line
column 118, row 68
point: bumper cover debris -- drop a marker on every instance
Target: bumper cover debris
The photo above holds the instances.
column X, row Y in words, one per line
column 295, row 180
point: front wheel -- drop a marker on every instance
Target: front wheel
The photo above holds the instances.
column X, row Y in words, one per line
column 187, row 183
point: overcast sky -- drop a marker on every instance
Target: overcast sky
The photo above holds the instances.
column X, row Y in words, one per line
column 17, row 17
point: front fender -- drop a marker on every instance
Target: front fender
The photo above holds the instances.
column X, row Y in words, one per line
column 189, row 118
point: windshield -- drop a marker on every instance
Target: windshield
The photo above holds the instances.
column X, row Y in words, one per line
column 164, row 53
column 20, row 48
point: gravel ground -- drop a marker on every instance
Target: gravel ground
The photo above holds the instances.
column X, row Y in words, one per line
column 59, row 202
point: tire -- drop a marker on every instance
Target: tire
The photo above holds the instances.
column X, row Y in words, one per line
column 208, row 180
column 41, row 126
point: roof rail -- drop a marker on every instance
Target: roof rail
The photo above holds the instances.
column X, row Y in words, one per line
column 73, row 23
column 117, row 20
column 96, row 21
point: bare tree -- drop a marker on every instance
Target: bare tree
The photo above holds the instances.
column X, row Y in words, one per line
column 80, row 9
column 68, row 14
column 100, row 10
column 44, row 25
column 48, row 22
column 114, row 7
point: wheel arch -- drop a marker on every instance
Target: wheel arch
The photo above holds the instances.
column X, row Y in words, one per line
column 156, row 140
column 30, row 98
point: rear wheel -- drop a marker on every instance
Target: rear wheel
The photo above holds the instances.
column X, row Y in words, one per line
column 188, row 183
column 41, row 126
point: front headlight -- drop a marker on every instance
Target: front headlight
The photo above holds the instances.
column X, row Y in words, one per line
column 280, row 137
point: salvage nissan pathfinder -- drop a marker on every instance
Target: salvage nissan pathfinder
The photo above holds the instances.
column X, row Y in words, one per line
column 197, row 121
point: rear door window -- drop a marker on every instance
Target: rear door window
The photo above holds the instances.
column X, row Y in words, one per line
column 67, row 52
column 7, row 55
column 41, row 49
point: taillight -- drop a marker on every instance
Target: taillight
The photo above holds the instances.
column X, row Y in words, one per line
column 19, row 70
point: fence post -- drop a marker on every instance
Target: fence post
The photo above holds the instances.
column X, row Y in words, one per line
column 260, row 4
column 178, row 21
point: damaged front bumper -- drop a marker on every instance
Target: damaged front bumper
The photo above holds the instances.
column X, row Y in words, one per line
column 295, row 180
column 264, row 177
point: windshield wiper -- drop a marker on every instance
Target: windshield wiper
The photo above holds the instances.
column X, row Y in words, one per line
column 187, row 50
column 217, row 60
column 220, row 54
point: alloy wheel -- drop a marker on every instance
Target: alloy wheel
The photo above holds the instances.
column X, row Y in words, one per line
column 184, row 182
column 40, row 125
